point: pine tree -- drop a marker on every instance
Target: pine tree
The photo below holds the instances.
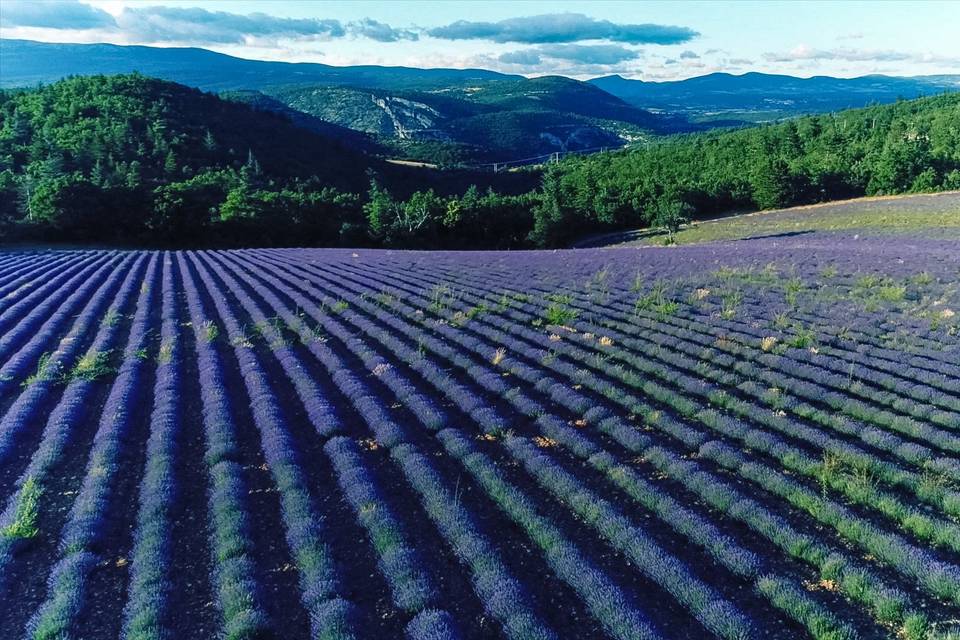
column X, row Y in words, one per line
column 549, row 215
column 209, row 143
column 170, row 163
column 97, row 174
column 252, row 165
column 379, row 209
column 771, row 183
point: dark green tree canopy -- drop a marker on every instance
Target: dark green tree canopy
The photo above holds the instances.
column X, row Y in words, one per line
column 133, row 159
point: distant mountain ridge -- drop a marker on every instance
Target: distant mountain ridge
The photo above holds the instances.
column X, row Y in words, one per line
column 468, row 116
column 449, row 116
column 752, row 96
column 26, row 63
column 498, row 119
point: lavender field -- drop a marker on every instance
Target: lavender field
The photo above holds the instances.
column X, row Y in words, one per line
column 750, row 439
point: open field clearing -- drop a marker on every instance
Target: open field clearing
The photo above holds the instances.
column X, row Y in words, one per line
column 752, row 439
column 929, row 214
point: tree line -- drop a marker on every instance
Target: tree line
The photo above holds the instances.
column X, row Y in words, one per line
column 129, row 159
column 908, row 146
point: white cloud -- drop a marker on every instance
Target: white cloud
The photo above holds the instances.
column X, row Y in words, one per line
column 54, row 14
column 602, row 54
column 562, row 27
column 807, row 53
column 182, row 25
column 379, row 31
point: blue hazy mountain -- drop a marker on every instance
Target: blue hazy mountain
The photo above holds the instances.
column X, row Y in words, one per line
column 468, row 115
column 756, row 97
column 27, row 63
column 445, row 115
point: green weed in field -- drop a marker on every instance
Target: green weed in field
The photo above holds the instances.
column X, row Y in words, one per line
column 559, row 312
column 210, row 331
column 25, row 521
column 46, row 370
column 92, row 366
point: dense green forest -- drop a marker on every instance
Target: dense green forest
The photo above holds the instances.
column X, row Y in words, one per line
column 135, row 160
column 908, row 146
column 129, row 159
column 492, row 121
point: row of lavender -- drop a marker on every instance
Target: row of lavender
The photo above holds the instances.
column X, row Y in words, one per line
column 669, row 471
column 946, row 533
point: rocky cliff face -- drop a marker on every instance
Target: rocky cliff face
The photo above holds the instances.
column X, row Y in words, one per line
column 409, row 119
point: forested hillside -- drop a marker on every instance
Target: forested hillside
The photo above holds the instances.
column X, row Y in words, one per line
column 136, row 160
column 442, row 116
column 352, row 138
column 724, row 98
column 909, row 146
column 497, row 120
column 101, row 156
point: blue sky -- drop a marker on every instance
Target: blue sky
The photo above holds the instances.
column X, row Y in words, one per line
column 646, row 40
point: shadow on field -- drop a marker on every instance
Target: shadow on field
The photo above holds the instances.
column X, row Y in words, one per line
column 785, row 234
